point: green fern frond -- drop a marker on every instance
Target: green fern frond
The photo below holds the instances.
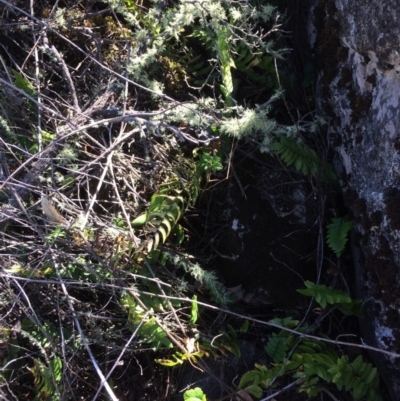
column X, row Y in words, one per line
column 150, row 332
column 160, row 218
column 45, row 379
column 359, row 377
column 208, row 279
column 256, row 66
column 304, row 159
column 325, row 295
column 313, row 362
column 337, row 234
column 226, row 63
column 277, row 348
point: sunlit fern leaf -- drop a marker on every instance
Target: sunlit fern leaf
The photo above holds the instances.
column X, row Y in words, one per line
column 257, row 67
column 337, row 234
column 198, row 69
column 21, row 82
column 325, row 295
column 160, row 218
column 226, row 63
column 46, row 377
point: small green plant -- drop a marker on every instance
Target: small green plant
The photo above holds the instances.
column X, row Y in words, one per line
column 47, row 365
column 45, row 378
column 150, row 332
column 226, row 63
column 312, row 362
column 194, row 311
column 207, row 164
column 195, row 394
column 329, row 296
column 21, row 82
column 207, row 279
column 304, row 159
column 337, row 235
column 56, row 234
column 225, row 343
column 160, row 218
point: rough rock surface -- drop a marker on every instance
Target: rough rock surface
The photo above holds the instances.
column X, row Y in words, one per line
column 357, row 49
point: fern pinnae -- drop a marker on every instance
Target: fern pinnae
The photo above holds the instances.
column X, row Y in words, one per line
column 304, row 158
column 337, row 234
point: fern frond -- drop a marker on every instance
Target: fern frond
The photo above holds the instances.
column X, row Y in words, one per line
column 277, row 348
column 160, row 218
column 46, row 377
column 304, row 159
column 226, row 62
column 325, row 295
column 359, row 377
column 337, row 234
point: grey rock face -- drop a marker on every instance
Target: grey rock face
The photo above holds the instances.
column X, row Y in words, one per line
column 358, row 51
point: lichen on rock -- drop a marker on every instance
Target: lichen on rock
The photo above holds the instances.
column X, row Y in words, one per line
column 360, row 91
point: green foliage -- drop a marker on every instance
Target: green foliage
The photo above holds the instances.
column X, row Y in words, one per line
column 150, row 331
column 277, row 348
column 168, row 206
column 200, row 44
column 45, row 379
column 359, row 377
column 329, row 296
column 226, row 63
column 215, row 45
column 207, row 279
column 160, row 218
column 225, row 343
column 207, row 164
column 195, row 394
column 46, row 138
column 23, row 83
column 194, row 312
column 178, row 358
column 48, row 373
column 337, row 235
column 228, row 340
column 55, row 235
column 257, row 67
column 313, row 363
column 304, row 159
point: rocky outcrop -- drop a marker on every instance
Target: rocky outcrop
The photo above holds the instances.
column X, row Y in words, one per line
column 358, row 52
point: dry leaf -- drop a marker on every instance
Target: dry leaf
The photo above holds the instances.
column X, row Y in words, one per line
column 51, row 212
